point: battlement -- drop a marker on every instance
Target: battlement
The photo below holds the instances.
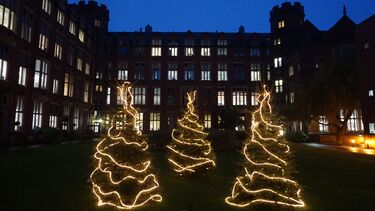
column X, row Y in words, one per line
column 286, row 6
column 92, row 4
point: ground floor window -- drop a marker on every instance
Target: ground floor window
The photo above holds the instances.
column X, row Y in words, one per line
column 37, row 115
column 372, row 128
column 18, row 120
column 323, row 124
column 154, row 121
column 139, row 121
column 355, row 123
column 207, row 121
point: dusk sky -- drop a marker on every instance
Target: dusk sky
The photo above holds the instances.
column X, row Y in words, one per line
column 223, row 15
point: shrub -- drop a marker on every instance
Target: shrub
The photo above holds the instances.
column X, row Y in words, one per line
column 225, row 140
column 298, row 137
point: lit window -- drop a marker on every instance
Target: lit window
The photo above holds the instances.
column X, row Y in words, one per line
column 139, row 121
column 97, row 23
column 87, row 69
column 366, row 46
column 371, row 93
column 86, row 92
column 355, row 123
column 281, row 24
column 76, row 119
column 55, row 86
column 99, row 88
column 189, row 72
column 239, row 97
column 291, row 71
column 189, row 51
column 156, row 71
column 46, row 6
column 156, row 51
column 68, row 85
column 173, row 51
column 277, row 41
column 122, row 75
column 18, row 120
column 81, row 35
column 108, row 99
column 58, row 51
column 60, row 17
column 7, row 18
column 255, row 72
column 43, row 42
column 222, row 72
column 72, row 28
column 66, row 117
column 268, row 75
column 279, row 86
column 53, row 116
column 205, row 72
column 157, row 94
column 154, row 121
column 22, row 76
column 254, row 98
column 207, row 121
column 221, row 98
column 172, row 72
column 3, row 69
column 99, row 75
column 139, row 94
column 205, row 52
column 79, row 64
column 372, row 128
column 278, row 62
column 222, row 51
column 323, row 124
column 291, row 97
column 41, row 74
column 37, row 115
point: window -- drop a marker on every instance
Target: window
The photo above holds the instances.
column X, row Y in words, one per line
column 68, row 85
column 372, row 128
column 81, row 35
column 154, row 121
column 139, row 71
column 86, row 86
column 41, row 74
column 172, row 51
column 222, row 72
column 72, row 28
column 3, row 63
column 172, row 72
column 205, row 52
column 43, row 42
column 122, row 75
column 277, row 41
column 97, row 23
column 99, row 88
column 268, row 75
column 281, row 24
column 60, row 17
column 291, row 97
column 254, row 98
column 53, row 116
column 207, row 121
column 156, row 51
column 55, row 87
column 205, row 72
column 26, row 25
column 66, row 115
column 239, row 96
column 371, row 93
column 255, row 72
column 87, row 69
column 108, row 98
column 220, row 98
column 58, row 51
column 255, row 52
column 157, row 94
column 222, row 51
column 7, row 18
column 189, row 72
column 239, row 72
column 156, row 71
column 291, row 71
column 18, row 119
column 71, row 57
column 139, row 94
column 37, row 115
column 279, row 86
column 189, row 51
column 355, row 123
column 76, row 119
column 46, row 6
column 323, row 124
column 366, row 46
column 278, row 62
column 79, row 64
column 139, row 121
column 22, row 76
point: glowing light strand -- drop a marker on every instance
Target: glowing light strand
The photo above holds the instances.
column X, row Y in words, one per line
column 105, row 178
column 248, row 189
column 189, row 137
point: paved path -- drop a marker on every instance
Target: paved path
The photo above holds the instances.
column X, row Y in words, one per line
column 357, row 150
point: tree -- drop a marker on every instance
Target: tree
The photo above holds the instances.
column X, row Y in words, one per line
column 190, row 151
column 334, row 93
column 122, row 177
column 267, row 170
column 230, row 119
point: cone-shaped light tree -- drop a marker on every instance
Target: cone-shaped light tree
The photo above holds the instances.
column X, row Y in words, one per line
column 122, row 176
column 267, row 171
column 190, row 151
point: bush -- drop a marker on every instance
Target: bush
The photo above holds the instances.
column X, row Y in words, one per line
column 226, row 140
column 298, row 137
column 158, row 140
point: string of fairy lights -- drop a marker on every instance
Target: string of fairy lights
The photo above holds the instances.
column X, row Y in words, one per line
column 242, row 195
column 102, row 171
column 183, row 162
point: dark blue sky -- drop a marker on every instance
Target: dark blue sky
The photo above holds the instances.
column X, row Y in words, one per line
column 223, row 15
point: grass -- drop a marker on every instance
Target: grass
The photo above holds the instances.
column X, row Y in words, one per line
column 55, row 178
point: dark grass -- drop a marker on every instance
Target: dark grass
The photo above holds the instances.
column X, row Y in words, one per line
column 55, row 178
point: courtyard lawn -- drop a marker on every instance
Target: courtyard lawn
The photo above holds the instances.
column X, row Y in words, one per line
column 56, row 178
